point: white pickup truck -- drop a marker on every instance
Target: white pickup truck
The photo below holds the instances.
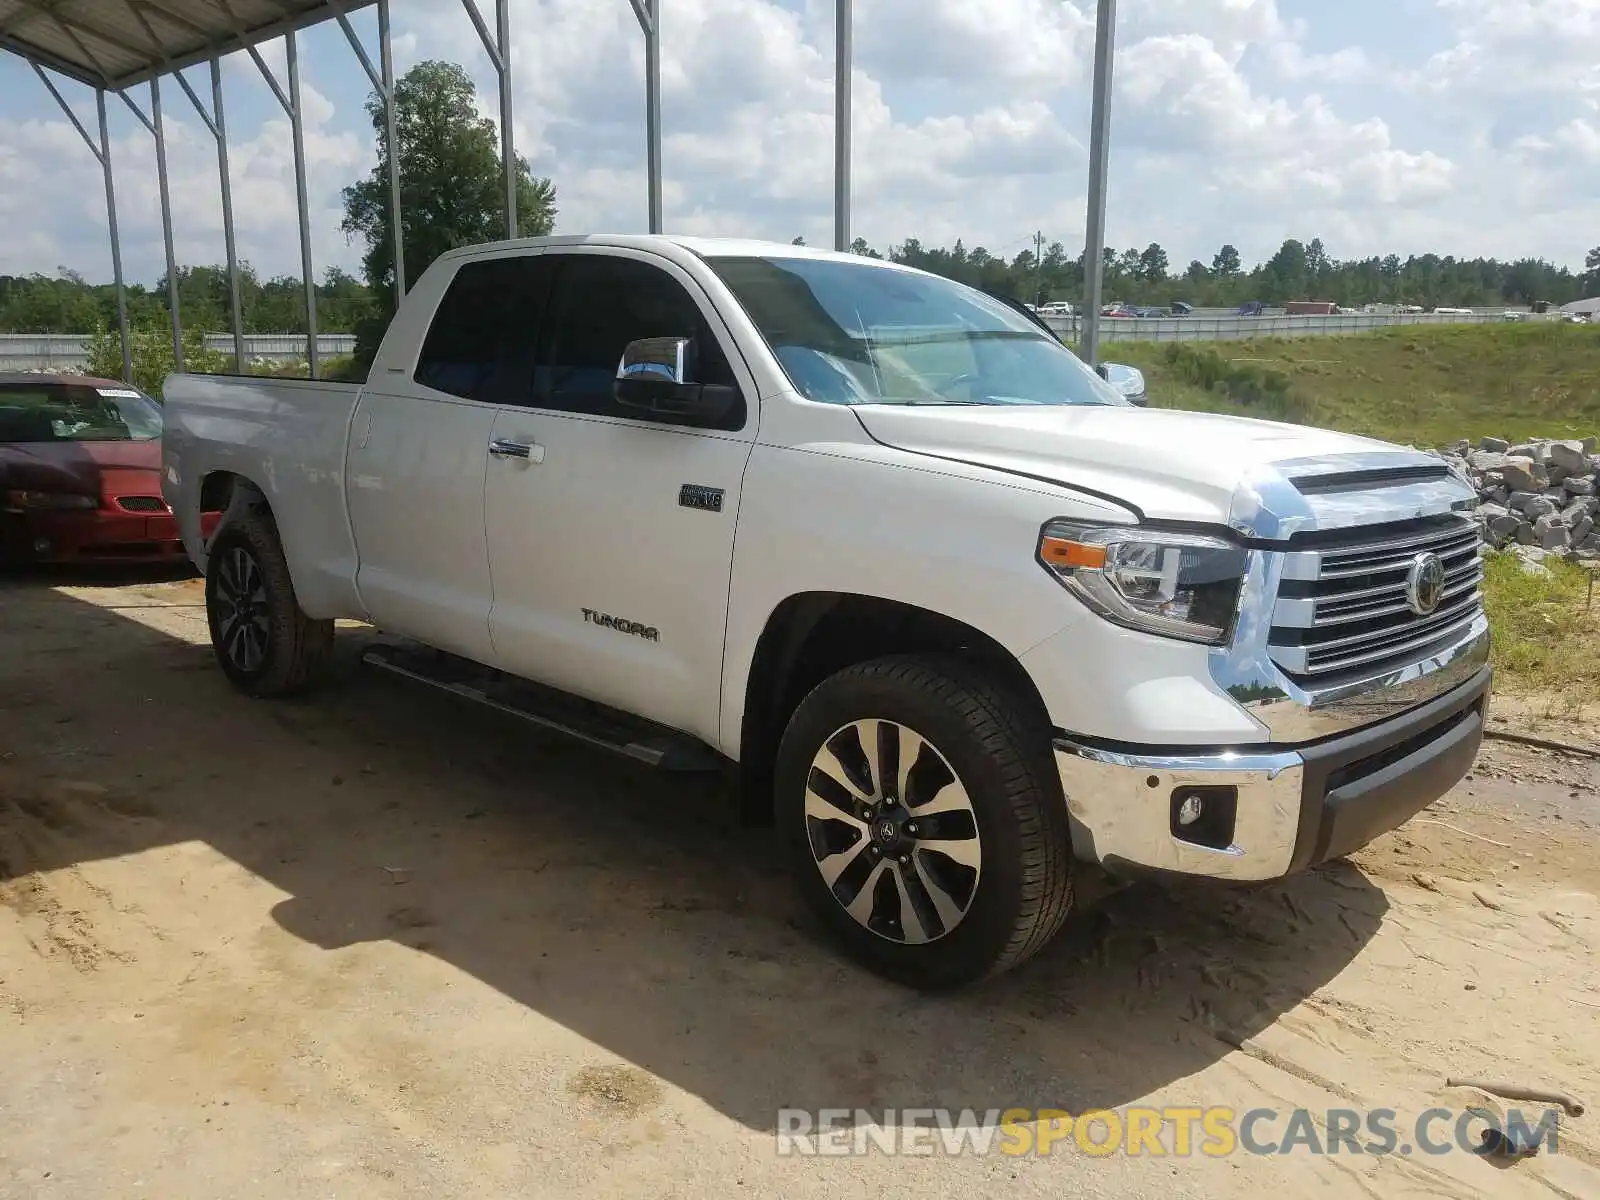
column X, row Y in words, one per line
column 967, row 620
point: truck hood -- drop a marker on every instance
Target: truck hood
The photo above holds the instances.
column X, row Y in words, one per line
column 1179, row 466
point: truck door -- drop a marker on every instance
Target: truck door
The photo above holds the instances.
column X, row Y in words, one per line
column 418, row 452
column 611, row 537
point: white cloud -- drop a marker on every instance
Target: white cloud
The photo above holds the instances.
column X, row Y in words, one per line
column 1231, row 122
column 52, row 197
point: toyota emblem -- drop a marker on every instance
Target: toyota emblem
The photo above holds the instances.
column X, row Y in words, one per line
column 1425, row 583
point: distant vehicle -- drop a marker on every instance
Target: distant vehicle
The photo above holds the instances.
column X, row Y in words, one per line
column 1309, row 308
column 1512, row 314
column 1250, row 308
column 1452, row 312
column 1056, row 308
column 81, row 459
column 1149, row 313
column 1181, row 308
column 1573, row 318
column 1119, row 310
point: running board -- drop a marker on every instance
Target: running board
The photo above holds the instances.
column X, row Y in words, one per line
column 557, row 711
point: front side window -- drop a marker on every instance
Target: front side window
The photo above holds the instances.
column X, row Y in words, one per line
column 858, row 333
column 483, row 327
column 601, row 303
column 77, row 413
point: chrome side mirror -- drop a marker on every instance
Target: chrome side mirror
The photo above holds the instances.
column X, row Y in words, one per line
column 663, row 358
column 654, row 379
column 1125, row 379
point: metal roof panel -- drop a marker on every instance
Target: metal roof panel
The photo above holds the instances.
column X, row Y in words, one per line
column 117, row 43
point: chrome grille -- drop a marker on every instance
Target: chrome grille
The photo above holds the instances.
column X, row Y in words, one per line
column 142, row 504
column 1342, row 605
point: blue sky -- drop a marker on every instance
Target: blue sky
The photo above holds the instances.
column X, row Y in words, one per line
column 1460, row 126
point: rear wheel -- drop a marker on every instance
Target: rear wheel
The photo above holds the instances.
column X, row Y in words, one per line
column 264, row 642
column 926, row 825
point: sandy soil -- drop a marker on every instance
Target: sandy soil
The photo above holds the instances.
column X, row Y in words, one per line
column 379, row 944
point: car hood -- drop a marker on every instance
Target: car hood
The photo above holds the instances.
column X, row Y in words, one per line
column 1171, row 465
column 89, row 468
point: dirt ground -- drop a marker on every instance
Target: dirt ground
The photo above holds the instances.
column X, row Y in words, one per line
column 378, row 943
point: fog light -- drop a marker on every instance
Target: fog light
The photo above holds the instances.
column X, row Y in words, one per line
column 1204, row 815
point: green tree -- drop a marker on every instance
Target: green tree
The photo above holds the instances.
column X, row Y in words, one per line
column 1226, row 264
column 452, row 186
column 1153, row 264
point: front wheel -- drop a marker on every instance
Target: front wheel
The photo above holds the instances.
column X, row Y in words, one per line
column 264, row 642
column 926, row 826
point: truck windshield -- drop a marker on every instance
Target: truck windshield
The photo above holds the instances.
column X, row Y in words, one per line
column 858, row 333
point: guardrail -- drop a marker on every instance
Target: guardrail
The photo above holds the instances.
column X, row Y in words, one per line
column 1212, row 329
column 70, row 351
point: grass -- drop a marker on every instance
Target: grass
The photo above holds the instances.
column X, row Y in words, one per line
column 1417, row 385
column 1546, row 639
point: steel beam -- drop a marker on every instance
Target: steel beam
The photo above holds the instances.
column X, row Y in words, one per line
column 297, row 130
column 116, row 239
column 166, row 223
column 652, row 113
column 216, row 122
column 102, row 154
column 1099, row 147
column 382, row 79
column 508, row 149
column 498, row 48
column 235, row 303
column 843, row 56
column 386, row 61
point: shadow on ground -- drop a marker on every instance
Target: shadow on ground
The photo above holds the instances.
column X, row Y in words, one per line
column 625, row 906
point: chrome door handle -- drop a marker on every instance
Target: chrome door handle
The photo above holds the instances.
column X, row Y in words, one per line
column 506, row 448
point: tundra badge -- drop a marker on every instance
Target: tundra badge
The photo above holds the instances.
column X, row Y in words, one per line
column 622, row 625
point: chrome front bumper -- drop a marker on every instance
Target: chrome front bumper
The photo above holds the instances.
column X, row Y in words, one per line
column 1291, row 807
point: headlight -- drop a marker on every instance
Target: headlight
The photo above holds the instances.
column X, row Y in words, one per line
column 1179, row 585
column 22, row 499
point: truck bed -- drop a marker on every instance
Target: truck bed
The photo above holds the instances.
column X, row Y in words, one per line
column 291, row 437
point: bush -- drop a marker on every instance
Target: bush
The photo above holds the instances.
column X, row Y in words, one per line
column 151, row 349
column 1261, row 391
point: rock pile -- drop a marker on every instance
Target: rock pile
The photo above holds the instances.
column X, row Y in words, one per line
column 1536, row 499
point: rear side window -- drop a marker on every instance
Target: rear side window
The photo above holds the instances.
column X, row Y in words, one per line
column 482, row 334
column 600, row 304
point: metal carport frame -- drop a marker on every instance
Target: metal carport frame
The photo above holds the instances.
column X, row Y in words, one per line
column 114, row 45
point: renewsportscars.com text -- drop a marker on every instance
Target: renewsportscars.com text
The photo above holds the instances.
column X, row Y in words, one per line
column 1213, row 1132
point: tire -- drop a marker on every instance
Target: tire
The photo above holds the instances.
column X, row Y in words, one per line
column 1002, row 862
column 267, row 647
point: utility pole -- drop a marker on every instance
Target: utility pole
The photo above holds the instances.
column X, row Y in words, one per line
column 1038, row 267
column 1099, row 141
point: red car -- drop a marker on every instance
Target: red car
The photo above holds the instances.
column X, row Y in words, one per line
column 80, row 473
